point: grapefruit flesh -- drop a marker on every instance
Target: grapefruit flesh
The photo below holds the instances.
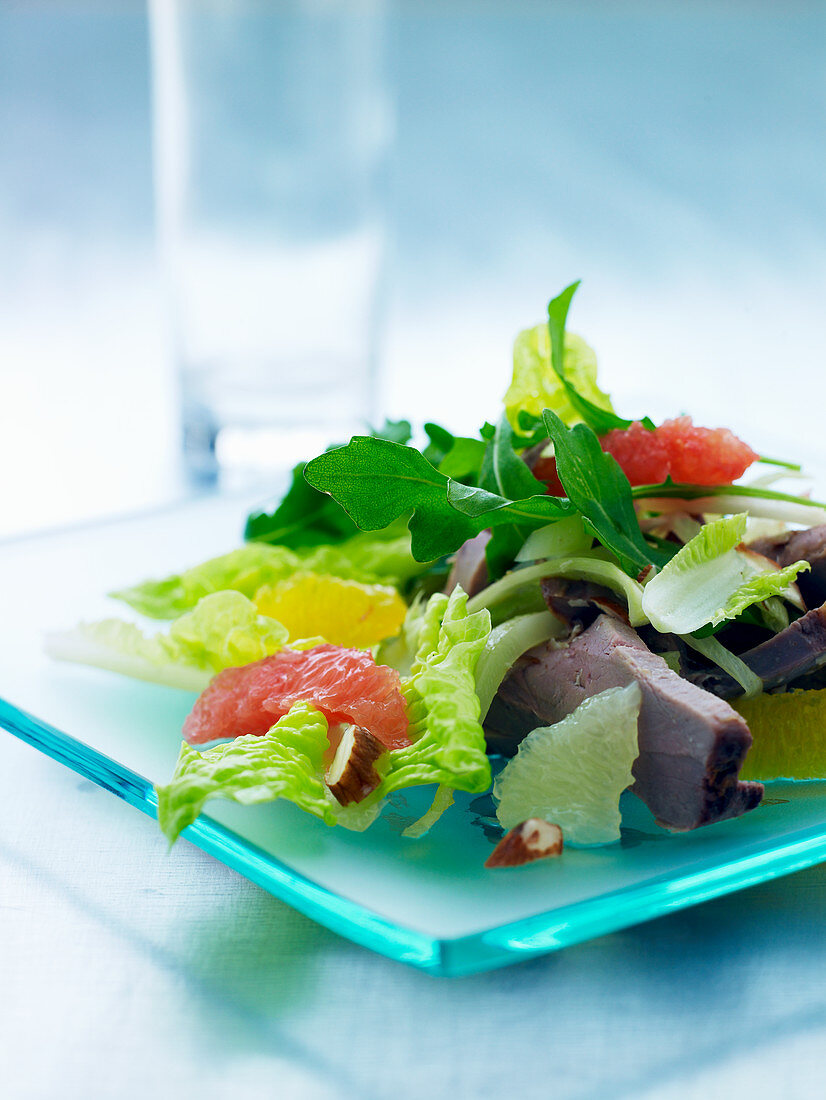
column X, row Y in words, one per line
column 346, row 685
column 676, row 449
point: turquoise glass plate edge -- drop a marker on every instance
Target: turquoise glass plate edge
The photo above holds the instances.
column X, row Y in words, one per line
column 486, row 950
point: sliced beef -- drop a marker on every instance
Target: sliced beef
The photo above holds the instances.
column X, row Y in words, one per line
column 470, row 569
column 799, row 650
column 691, row 743
column 810, row 546
column 581, row 601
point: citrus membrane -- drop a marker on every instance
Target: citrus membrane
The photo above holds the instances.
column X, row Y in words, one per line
column 343, row 612
column 789, row 732
column 573, row 773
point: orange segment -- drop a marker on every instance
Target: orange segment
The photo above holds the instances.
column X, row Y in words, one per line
column 789, row 732
column 345, row 613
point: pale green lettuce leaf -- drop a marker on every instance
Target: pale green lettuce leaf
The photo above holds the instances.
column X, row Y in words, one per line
column 400, row 652
column 366, row 558
column 223, row 630
column 709, row 580
column 286, row 762
column 536, row 386
column 243, row 570
column 448, row 742
column 442, row 801
column 443, row 707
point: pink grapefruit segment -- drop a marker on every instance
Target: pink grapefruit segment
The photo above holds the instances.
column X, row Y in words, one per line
column 677, row 449
column 346, row 685
column 701, row 456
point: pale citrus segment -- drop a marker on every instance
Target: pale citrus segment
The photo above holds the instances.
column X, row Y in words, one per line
column 789, row 732
column 573, row 773
column 344, row 613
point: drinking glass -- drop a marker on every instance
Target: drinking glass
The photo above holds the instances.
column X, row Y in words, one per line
column 271, row 127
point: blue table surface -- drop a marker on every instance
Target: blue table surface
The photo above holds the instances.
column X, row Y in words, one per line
column 671, row 156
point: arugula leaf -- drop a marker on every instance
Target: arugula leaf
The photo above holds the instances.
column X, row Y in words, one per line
column 306, row 517
column 685, row 491
column 456, row 456
column 534, row 511
column 504, row 477
column 464, row 460
column 510, row 520
column 440, row 445
column 503, row 471
column 532, row 430
column 600, row 419
column 303, row 518
column 596, row 485
column 397, row 431
column 376, row 481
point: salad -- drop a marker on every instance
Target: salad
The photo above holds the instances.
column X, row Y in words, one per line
column 590, row 603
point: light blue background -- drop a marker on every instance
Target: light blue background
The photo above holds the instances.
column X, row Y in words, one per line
column 671, row 155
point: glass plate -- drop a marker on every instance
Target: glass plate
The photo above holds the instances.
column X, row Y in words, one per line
column 430, row 902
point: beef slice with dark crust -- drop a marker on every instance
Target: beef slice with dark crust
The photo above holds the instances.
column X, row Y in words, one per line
column 692, row 744
column 470, row 567
column 799, row 650
column 808, row 545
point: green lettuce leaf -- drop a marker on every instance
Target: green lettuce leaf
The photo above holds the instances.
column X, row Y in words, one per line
column 709, row 580
column 536, row 386
column 368, row 558
column 443, row 707
column 243, row 570
column 442, row 801
column 448, row 742
column 224, row 630
column 287, row 762
column 363, row 557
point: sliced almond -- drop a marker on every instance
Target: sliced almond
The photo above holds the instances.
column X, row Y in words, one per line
column 351, row 776
column 533, row 839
